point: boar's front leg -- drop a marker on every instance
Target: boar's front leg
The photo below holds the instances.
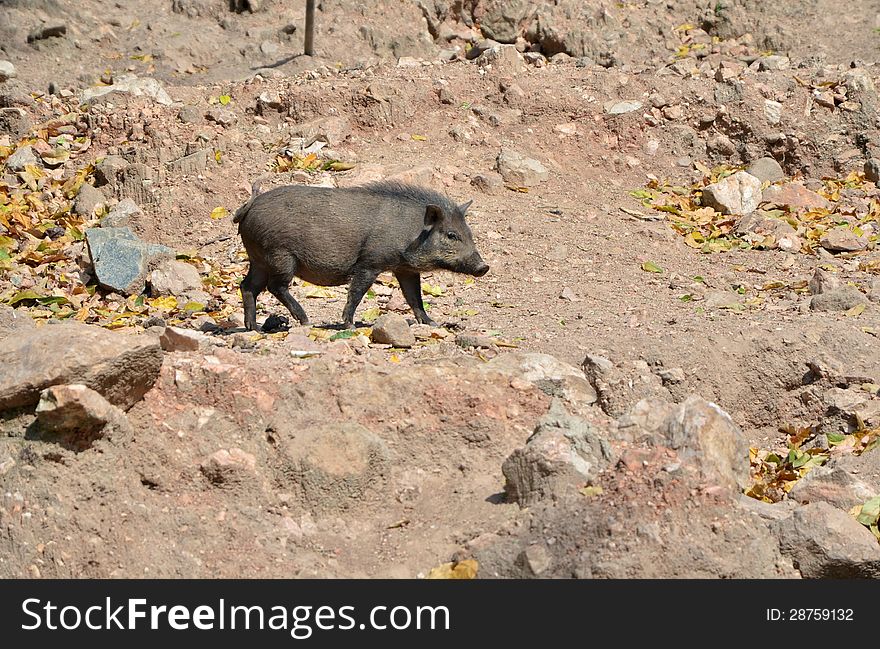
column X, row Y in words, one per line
column 411, row 285
column 360, row 283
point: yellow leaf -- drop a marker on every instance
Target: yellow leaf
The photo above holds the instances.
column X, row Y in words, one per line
column 591, row 491
column 856, row 311
column 394, row 358
column 218, row 156
column 219, row 213
column 224, row 100
column 466, row 569
column 168, row 302
column 436, row 291
column 651, row 267
column 419, row 138
column 320, row 291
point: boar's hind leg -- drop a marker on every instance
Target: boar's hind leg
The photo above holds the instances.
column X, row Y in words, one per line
column 411, row 285
column 253, row 284
column 279, row 286
column 359, row 285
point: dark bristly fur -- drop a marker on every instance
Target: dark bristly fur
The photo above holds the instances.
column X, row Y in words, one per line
column 336, row 236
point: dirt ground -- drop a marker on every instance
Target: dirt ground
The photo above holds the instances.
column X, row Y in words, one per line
column 370, row 461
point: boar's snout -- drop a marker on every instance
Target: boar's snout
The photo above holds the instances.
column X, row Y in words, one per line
column 476, row 266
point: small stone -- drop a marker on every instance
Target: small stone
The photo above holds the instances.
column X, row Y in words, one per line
column 173, row 277
column 479, row 47
column 673, row 112
column 839, row 299
column 226, row 468
column 520, row 170
column 794, row 196
column 721, row 144
column 244, row 341
column 622, row 107
column 72, row 407
column 563, row 453
column 488, row 182
column 773, row 62
column 222, row 116
column 772, row 111
column 87, row 201
column 872, row 170
column 24, row 156
column 874, row 291
column 474, row 341
column 176, row 339
column 120, row 216
column 409, row 62
column 130, row 84
column 826, row 542
column 842, row 239
column 736, row 194
column 7, row 71
column 503, row 59
column 536, row 560
column 823, row 281
column 189, row 115
column 392, row 329
column 767, row 170
column 270, row 100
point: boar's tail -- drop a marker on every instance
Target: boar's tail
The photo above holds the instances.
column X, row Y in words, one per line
column 256, row 190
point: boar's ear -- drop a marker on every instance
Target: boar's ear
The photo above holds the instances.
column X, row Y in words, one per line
column 433, row 215
column 464, row 206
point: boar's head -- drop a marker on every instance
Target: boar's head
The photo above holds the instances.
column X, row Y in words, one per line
column 446, row 243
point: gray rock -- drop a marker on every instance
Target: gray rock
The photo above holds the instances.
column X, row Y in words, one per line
column 773, row 62
column 504, row 59
column 7, row 71
column 332, row 130
column 110, row 171
column 489, row 182
column 14, row 121
column 392, row 329
column 721, row 144
column 176, row 339
column 736, row 194
column 222, row 116
column 479, row 47
column 837, row 484
column 189, row 115
column 839, row 299
column 549, row 374
column 772, row 111
column 189, row 165
column 13, row 321
column 562, row 454
column 173, row 277
column 120, row 216
column 620, row 388
column 826, row 542
column 129, row 84
column 874, row 291
column 87, row 201
column 872, row 170
column 520, row 170
column 536, row 560
column 22, row 157
column 842, row 239
column 622, row 107
column 823, row 281
column 709, row 442
column 767, row 170
column 121, row 367
column 502, row 20
column 121, row 260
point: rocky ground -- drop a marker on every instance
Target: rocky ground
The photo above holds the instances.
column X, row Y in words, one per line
column 671, row 369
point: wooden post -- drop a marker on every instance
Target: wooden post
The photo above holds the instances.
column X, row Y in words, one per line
column 310, row 28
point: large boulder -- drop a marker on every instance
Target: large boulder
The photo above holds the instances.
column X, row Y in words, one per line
column 120, row 367
column 121, row 260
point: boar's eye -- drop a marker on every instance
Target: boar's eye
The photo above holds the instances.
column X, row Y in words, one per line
column 453, row 236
